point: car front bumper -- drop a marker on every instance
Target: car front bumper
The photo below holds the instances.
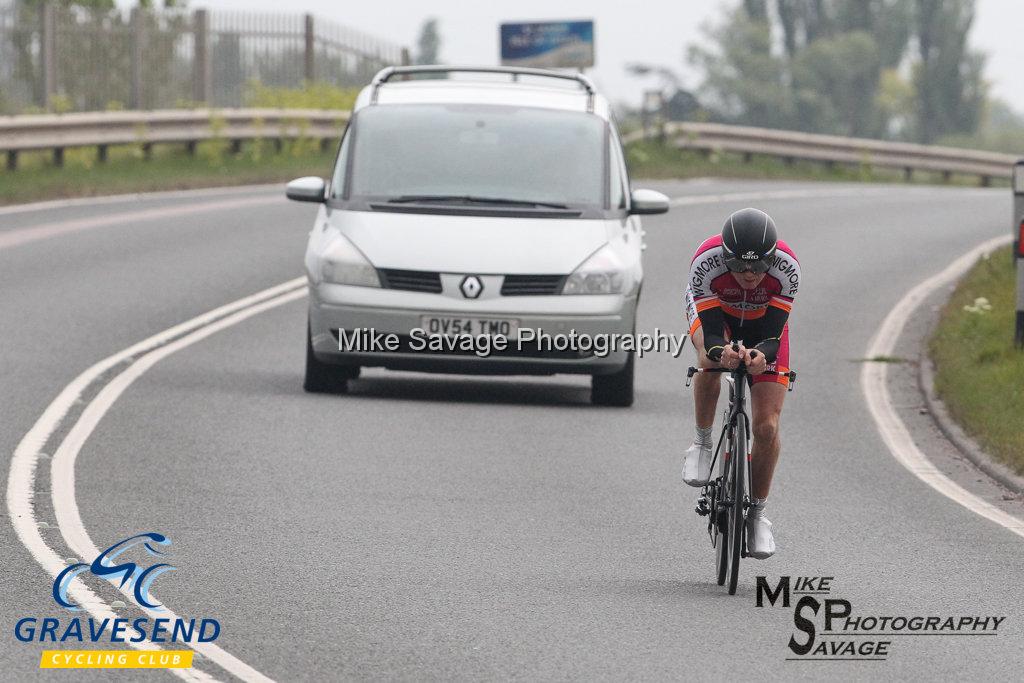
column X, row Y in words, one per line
column 555, row 322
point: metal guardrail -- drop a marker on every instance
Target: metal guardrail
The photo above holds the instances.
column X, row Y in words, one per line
column 58, row 132
column 830, row 149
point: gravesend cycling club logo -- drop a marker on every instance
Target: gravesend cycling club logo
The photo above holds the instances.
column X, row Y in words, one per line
column 129, row 572
column 827, row 628
column 122, row 564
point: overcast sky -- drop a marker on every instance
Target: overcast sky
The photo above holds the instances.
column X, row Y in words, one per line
column 654, row 31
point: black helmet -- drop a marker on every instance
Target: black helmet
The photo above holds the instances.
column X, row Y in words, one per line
column 748, row 241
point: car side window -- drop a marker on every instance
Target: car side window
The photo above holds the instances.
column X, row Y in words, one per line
column 340, row 169
column 617, row 179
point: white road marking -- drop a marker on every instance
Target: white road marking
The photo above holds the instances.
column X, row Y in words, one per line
column 817, row 193
column 138, row 196
column 19, row 236
column 21, row 481
column 894, row 432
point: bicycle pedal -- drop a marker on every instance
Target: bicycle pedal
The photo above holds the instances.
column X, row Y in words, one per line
column 703, row 509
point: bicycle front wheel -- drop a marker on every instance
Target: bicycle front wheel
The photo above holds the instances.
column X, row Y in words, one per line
column 721, row 520
column 737, row 491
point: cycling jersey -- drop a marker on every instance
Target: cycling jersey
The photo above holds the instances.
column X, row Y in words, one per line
column 717, row 303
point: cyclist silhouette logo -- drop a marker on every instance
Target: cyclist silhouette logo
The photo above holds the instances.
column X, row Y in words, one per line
column 130, row 573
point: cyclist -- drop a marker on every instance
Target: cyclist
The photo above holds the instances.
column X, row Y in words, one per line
column 741, row 288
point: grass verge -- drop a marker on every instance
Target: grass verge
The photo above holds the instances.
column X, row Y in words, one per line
column 978, row 372
column 169, row 168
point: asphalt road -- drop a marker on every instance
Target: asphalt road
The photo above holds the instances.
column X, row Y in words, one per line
column 437, row 527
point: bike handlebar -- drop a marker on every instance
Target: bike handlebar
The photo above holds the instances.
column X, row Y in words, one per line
column 690, row 372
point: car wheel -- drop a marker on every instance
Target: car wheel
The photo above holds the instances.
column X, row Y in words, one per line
column 615, row 389
column 348, row 371
column 322, row 378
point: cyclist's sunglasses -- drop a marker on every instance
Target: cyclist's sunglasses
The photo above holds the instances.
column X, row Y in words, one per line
column 736, row 265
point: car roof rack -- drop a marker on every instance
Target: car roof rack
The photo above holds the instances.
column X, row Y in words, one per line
column 385, row 74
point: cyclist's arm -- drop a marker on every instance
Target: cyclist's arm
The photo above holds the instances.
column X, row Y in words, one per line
column 786, row 270
column 712, row 322
column 774, row 322
column 707, row 264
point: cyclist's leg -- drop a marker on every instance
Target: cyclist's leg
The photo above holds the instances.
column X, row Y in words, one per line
column 767, row 394
column 766, row 400
column 706, row 385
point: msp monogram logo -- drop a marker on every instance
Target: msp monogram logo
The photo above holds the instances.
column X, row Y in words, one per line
column 828, row 627
column 130, row 573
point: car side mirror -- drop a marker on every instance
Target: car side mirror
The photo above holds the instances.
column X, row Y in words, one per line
column 648, row 202
column 308, row 189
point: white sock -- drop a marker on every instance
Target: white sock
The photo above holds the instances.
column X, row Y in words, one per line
column 757, row 506
column 703, row 436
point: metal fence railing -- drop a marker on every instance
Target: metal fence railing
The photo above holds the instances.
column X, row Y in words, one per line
column 146, row 128
column 56, row 57
column 829, row 149
column 59, row 132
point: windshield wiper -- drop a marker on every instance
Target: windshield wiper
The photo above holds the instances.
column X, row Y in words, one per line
column 469, row 199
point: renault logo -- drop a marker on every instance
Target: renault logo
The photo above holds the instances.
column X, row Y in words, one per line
column 471, row 287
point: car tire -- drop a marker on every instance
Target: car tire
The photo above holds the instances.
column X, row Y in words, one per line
column 323, row 378
column 348, row 371
column 615, row 389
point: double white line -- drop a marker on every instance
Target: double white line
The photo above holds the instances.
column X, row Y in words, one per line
column 29, row 454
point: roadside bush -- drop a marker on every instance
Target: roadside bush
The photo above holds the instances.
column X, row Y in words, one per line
column 309, row 96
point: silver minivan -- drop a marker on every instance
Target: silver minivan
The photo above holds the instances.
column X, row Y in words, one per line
column 479, row 220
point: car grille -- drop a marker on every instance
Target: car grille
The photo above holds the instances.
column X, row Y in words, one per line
column 531, row 285
column 429, row 281
column 411, row 280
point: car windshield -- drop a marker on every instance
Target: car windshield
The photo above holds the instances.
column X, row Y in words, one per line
column 445, row 153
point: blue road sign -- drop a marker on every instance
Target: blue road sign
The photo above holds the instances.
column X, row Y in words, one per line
column 549, row 44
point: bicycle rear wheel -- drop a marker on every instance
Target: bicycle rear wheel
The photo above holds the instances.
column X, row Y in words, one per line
column 737, row 491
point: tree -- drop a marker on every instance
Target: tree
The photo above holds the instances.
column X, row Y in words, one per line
column 818, row 65
column 743, row 80
column 835, row 81
column 948, row 77
column 428, row 45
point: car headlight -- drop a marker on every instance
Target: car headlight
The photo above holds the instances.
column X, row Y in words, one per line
column 601, row 273
column 344, row 264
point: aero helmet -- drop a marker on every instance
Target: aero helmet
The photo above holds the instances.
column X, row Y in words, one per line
column 748, row 241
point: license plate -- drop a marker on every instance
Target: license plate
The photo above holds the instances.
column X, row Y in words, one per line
column 470, row 327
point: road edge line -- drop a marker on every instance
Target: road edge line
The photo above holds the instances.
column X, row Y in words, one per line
column 876, row 393
column 99, row 200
